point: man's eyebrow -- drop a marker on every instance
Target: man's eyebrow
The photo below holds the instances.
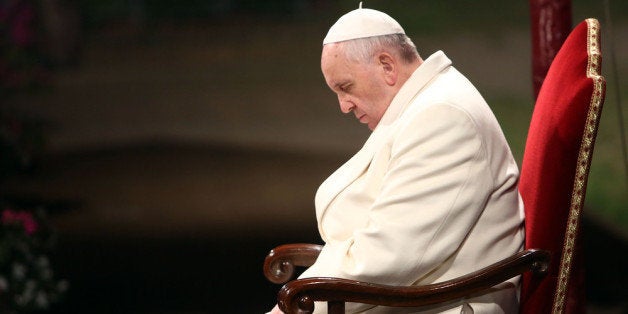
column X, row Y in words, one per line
column 338, row 85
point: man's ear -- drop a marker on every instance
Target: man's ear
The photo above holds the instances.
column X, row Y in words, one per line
column 388, row 65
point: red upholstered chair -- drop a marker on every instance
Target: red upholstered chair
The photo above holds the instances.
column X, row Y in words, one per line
column 555, row 168
column 553, row 182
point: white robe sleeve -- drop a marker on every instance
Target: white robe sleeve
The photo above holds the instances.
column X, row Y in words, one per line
column 434, row 189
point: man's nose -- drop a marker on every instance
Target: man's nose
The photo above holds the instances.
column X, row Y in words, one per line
column 346, row 106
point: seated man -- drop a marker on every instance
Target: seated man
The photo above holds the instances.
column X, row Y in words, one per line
column 432, row 194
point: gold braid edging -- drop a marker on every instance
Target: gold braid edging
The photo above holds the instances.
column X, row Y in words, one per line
column 583, row 162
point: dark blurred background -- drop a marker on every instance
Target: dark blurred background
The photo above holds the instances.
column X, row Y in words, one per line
column 174, row 143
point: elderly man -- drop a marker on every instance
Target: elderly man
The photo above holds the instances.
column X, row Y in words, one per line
column 432, row 194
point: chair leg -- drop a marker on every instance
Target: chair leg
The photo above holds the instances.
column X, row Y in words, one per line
column 335, row 307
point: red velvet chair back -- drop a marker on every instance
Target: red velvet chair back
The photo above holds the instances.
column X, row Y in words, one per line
column 555, row 168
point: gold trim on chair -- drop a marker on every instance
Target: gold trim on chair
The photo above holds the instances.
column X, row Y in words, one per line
column 583, row 163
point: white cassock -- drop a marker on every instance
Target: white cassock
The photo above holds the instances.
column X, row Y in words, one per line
column 432, row 195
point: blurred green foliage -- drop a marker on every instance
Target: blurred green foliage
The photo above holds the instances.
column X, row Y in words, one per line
column 429, row 16
column 607, row 193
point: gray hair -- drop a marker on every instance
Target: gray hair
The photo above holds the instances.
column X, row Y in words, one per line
column 364, row 49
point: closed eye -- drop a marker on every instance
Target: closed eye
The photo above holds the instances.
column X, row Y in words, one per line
column 341, row 86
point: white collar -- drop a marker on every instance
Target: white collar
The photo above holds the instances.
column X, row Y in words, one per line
column 433, row 65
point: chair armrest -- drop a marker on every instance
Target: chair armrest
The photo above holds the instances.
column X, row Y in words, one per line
column 280, row 262
column 298, row 296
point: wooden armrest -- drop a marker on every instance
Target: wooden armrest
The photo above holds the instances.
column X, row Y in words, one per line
column 298, row 296
column 280, row 262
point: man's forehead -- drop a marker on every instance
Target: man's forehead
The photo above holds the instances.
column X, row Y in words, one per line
column 336, row 75
column 331, row 57
column 333, row 50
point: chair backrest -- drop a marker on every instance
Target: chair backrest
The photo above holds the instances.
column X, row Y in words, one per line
column 555, row 169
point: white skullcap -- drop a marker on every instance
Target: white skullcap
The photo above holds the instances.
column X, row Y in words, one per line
column 361, row 23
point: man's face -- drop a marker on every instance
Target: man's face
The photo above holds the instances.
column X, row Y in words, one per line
column 360, row 87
